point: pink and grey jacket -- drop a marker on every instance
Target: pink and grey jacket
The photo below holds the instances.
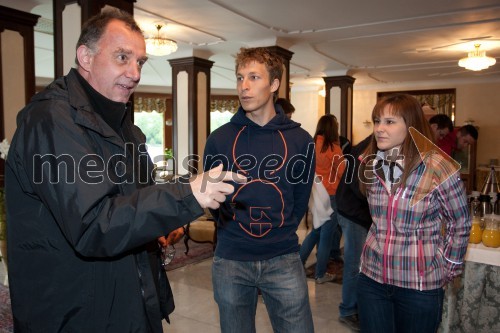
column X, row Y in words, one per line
column 406, row 245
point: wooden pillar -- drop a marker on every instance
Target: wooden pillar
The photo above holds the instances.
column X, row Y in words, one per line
column 191, row 111
column 17, row 68
column 88, row 8
column 338, row 101
column 284, row 90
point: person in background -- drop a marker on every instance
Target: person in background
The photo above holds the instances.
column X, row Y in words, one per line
column 458, row 139
column 336, row 252
column 329, row 168
column 406, row 260
column 257, row 242
column 441, row 125
column 354, row 218
column 84, row 213
column 287, row 107
column 345, row 143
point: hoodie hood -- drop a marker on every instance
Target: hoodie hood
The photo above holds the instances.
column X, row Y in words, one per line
column 279, row 122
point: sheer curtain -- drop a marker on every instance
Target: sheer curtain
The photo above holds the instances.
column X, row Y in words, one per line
column 222, row 108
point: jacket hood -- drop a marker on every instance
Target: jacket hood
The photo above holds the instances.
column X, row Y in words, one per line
column 278, row 122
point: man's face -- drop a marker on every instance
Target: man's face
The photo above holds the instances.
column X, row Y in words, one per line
column 254, row 89
column 463, row 141
column 114, row 70
column 439, row 133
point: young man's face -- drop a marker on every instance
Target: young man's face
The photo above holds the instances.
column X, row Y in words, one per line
column 463, row 141
column 439, row 133
column 115, row 69
column 254, row 89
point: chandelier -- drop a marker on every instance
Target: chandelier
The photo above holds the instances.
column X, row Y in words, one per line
column 477, row 60
column 160, row 46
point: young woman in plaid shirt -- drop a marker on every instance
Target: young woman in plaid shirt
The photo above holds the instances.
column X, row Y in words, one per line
column 413, row 190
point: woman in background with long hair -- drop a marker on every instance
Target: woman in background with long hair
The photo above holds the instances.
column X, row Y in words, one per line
column 329, row 168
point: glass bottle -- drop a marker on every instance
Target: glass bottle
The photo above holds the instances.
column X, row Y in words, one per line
column 496, row 206
column 476, row 232
column 491, row 232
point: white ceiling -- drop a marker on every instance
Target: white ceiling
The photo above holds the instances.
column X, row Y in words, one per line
column 379, row 43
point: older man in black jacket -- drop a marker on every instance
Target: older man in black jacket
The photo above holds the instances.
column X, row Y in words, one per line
column 83, row 212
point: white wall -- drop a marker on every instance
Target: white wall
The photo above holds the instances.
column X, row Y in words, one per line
column 309, row 107
column 477, row 102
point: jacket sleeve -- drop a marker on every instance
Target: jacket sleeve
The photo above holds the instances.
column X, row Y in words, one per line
column 457, row 220
column 56, row 163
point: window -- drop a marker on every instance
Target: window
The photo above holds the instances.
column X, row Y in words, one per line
column 222, row 108
column 153, row 115
column 151, row 123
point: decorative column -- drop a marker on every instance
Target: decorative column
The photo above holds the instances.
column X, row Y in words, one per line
column 284, row 90
column 338, row 101
column 17, row 68
column 82, row 10
column 191, row 111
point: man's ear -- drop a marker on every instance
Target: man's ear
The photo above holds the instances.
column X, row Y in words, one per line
column 84, row 57
column 275, row 85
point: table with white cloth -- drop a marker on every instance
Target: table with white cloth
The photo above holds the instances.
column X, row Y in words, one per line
column 472, row 301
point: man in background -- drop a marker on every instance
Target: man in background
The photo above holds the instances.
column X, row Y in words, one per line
column 288, row 107
column 458, row 139
column 355, row 219
column 441, row 125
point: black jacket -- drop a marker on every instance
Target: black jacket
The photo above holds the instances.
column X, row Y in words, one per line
column 351, row 203
column 82, row 224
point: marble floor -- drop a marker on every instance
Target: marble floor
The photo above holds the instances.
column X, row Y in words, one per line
column 196, row 310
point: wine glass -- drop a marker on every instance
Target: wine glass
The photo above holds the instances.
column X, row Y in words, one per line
column 167, row 254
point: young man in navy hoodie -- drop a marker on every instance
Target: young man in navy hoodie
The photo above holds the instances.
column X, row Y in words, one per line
column 257, row 244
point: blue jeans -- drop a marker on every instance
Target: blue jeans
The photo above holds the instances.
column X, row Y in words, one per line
column 335, row 252
column 324, row 238
column 354, row 239
column 391, row 309
column 283, row 285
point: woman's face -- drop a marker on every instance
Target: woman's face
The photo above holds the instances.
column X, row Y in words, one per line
column 389, row 130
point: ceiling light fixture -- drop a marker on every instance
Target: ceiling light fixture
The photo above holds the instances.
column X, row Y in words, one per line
column 477, row 60
column 160, row 46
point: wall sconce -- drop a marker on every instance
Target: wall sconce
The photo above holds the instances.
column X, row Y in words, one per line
column 367, row 123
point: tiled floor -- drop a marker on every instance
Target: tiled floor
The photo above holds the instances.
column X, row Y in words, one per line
column 196, row 310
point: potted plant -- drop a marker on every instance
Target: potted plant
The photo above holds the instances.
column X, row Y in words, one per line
column 169, row 157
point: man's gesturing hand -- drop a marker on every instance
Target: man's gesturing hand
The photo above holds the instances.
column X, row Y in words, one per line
column 210, row 189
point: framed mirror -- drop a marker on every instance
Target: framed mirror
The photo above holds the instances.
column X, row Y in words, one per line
column 433, row 101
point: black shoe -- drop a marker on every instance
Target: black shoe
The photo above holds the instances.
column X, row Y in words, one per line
column 351, row 321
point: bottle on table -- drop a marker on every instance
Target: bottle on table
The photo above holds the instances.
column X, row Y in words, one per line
column 476, row 232
column 491, row 232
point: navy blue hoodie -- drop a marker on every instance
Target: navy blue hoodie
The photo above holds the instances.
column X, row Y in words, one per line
column 260, row 219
